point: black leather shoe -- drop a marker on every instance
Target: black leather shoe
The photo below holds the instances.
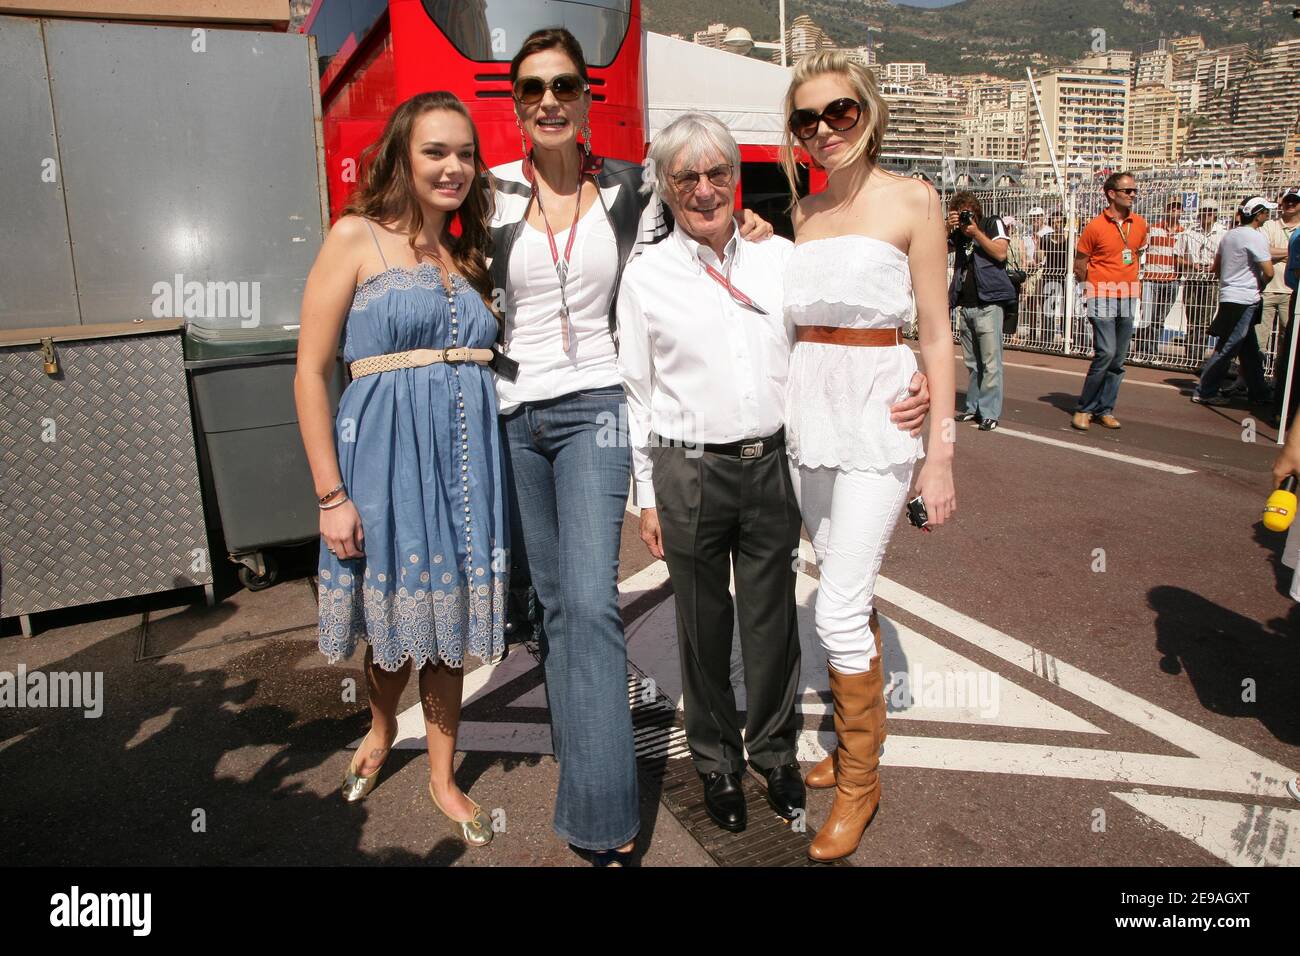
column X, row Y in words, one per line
column 724, row 800
column 785, row 790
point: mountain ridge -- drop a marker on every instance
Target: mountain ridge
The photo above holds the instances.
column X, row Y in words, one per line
column 1000, row 37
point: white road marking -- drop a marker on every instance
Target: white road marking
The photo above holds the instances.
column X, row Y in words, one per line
column 1239, row 834
column 1066, row 371
column 1223, row 765
column 1048, row 760
column 1099, row 452
column 942, row 685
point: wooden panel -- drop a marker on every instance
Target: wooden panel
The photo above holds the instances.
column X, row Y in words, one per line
column 274, row 13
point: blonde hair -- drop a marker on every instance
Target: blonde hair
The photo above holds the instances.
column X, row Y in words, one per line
column 875, row 112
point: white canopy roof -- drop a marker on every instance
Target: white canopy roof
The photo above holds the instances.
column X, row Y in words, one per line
column 744, row 93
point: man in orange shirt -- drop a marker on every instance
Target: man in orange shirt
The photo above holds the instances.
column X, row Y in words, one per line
column 1106, row 263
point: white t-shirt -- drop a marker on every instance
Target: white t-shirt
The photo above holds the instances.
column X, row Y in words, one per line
column 1240, row 253
column 533, row 332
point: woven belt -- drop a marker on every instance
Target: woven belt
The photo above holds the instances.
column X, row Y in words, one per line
column 750, row 448
column 836, row 335
column 414, row 358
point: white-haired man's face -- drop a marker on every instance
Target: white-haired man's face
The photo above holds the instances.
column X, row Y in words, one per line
column 702, row 195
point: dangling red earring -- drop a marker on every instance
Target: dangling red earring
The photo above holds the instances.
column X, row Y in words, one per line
column 523, row 140
column 591, row 165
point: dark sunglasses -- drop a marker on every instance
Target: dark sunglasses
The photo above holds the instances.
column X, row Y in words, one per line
column 567, row 87
column 1131, row 192
column 688, row 179
column 840, row 115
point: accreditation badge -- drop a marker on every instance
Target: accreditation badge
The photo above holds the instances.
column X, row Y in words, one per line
column 1128, row 257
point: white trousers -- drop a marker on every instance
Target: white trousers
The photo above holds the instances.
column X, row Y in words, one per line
column 850, row 516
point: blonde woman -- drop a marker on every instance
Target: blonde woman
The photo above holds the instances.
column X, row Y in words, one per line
column 869, row 250
column 411, row 472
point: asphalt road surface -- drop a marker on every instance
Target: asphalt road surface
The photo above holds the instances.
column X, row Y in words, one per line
column 1094, row 664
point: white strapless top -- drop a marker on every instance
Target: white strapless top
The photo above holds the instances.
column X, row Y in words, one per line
column 838, row 396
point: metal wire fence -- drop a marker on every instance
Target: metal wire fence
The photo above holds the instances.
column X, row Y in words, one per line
column 1176, row 306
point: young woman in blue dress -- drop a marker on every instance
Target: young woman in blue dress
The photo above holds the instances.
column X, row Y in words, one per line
column 410, row 471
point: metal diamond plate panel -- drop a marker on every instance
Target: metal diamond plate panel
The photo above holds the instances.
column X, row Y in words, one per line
column 99, row 486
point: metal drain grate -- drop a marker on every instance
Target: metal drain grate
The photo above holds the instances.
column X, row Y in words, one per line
column 664, row 761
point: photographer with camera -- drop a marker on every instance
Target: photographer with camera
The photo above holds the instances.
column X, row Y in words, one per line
column 980, row 290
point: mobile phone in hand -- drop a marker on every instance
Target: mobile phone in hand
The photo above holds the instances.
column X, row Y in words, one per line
column 916, row 514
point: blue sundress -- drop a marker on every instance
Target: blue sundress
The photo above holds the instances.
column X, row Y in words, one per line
column 421, row 454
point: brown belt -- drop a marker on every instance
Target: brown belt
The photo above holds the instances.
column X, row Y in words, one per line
column 414, row 358
column 837, row 335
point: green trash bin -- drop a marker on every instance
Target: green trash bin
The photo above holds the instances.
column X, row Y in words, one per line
column 252, row 462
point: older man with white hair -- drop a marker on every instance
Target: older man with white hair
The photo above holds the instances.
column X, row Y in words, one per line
column 704, row 351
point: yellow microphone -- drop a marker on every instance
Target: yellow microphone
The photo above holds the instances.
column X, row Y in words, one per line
column 1280, row 510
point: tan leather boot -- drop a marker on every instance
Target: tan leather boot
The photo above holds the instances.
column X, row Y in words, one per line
column 822, row 776
column 859, row 726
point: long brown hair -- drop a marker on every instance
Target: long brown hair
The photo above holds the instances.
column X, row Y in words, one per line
column 386, row 193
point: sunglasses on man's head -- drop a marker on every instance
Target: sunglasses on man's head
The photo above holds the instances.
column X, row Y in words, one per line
column 688, row 179
column 567, row 87
column 840, row 115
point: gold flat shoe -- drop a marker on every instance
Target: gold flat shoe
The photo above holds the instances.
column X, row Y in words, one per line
column 355, row 786
column 476, row 831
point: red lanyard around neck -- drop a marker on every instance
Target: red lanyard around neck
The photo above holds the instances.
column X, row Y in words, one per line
column 734, row 292
column 587, row 166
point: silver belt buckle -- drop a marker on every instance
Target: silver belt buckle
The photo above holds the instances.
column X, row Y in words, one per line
column 752, row 450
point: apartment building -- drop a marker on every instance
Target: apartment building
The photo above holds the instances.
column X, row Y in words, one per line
column 1215, row 70
column 904, row 73
column 864, row 55
column 999, row 134
column 1155, row 66
column 1184, row 46
column 1256, row 115
column 921, row 122
column 713, row 36
column 1085, row 112
column 1153, row 128
column 802, row 37
column 1116, row 61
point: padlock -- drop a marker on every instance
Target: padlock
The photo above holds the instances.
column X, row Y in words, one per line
column 51, row 360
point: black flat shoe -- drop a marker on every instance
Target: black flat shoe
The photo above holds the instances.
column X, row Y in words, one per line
column 607, row 858
column 612, row 858
column 724, row 800
column 785, row 789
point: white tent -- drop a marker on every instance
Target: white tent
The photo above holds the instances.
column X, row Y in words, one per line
column 744, row 93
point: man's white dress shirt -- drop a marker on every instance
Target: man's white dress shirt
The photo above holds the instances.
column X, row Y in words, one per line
column 697, row 365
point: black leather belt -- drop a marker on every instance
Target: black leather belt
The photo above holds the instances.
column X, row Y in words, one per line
column 749, row 448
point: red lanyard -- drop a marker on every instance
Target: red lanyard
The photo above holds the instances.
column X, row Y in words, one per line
column 735, row 293
column 561, row 265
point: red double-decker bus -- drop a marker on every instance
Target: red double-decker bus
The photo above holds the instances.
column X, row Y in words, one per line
column 374, row 54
